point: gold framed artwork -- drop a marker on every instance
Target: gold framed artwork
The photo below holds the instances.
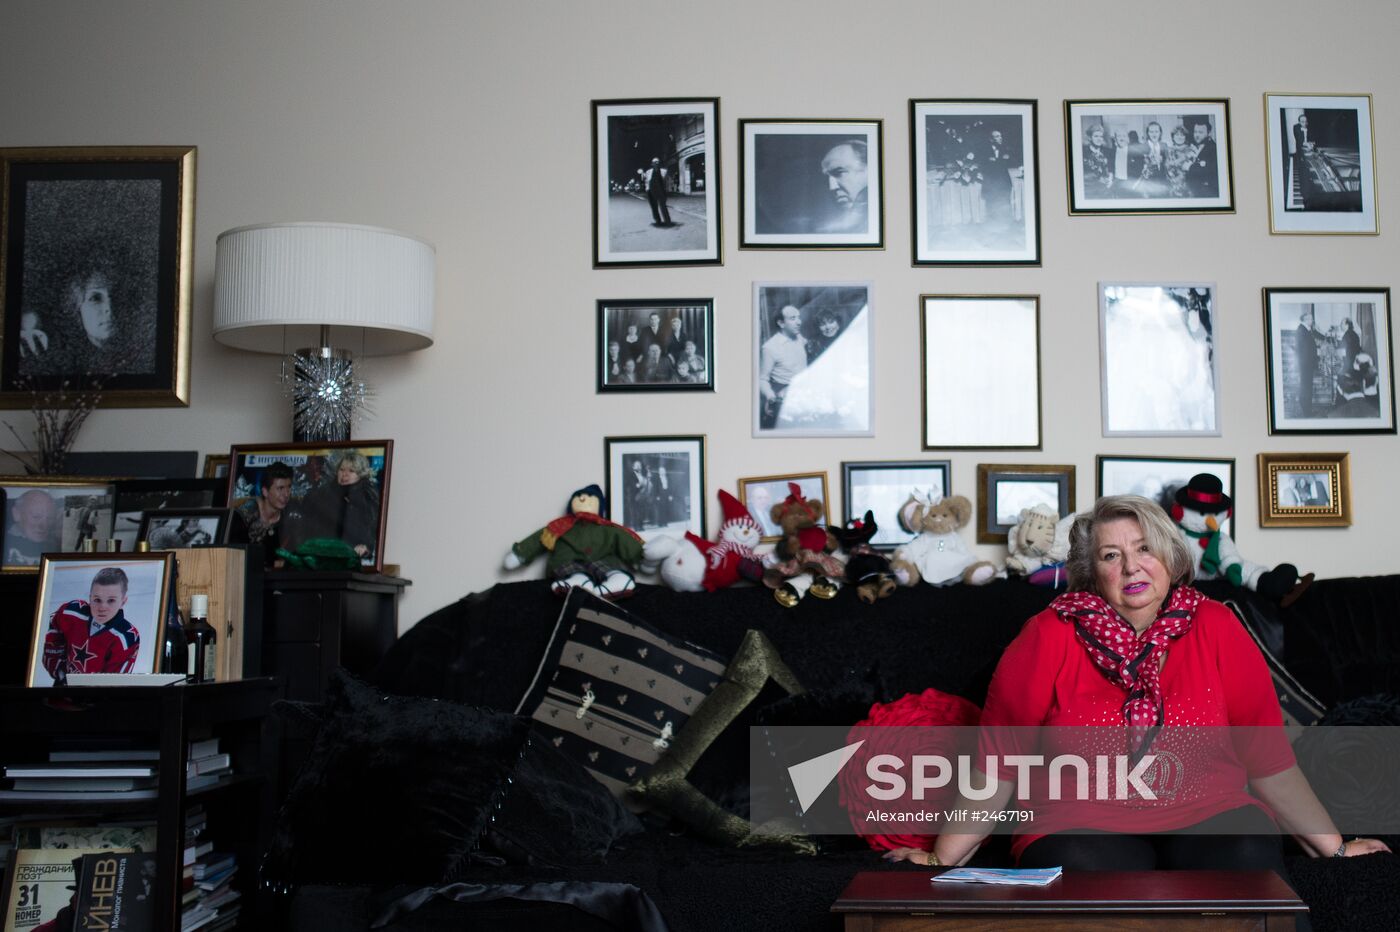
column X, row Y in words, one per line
column 760, row 493
column 1305, row 490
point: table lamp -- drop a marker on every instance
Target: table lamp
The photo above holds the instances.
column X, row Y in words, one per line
column 314, row 291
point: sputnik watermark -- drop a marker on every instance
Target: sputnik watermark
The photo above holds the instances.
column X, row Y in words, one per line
column 888, row 784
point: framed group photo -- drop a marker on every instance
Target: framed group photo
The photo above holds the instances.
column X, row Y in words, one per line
column 811, row 184
column 881, row 487
column 656, row 484
column 52, row 515
column 647, row 345
column 1329, row 361
column 307, row 491
column 760, row 493
column 1148, row 156
column 1159, row 478
column 97, row 252
column 1159, row 360
column 1322, row 163
column 813, row 359
column 1004, row 490
column 985, row 347
column 99, row 613
column 1304, row 490
column 182, row 528
column 656, row 197
column 975, row 182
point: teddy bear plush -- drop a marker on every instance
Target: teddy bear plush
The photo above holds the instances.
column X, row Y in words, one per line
column 692, row 564
column 803, row 559
column 867, row 569
column 585, row 548
column 938, row 555
column 1038, row 544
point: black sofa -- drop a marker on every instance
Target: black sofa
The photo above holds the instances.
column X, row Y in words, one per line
column 1340, row 639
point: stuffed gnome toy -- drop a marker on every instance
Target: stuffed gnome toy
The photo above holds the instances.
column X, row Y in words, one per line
column 585, row 549
column 691, row 563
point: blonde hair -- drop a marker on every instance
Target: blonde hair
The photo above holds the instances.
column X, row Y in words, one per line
column 1160, row 532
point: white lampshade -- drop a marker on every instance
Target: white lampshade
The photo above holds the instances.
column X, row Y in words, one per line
column 277, row 284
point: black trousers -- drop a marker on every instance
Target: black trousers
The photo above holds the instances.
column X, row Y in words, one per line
column 659, row 213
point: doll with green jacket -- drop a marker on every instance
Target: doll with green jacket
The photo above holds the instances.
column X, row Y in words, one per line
column 585, row 549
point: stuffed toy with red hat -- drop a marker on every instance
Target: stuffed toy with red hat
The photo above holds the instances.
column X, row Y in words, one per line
column 585, row 548
column 803, row 560
column 1199, row 508
column 692, row 564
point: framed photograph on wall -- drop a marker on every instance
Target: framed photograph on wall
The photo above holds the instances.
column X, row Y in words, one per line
column 980, row 362
column 1329, row 361
column 647, row 345
column 99, row 613
column 1003, row 490
column 1159, row 360
column 1148, row 156
column 135, row 497
column 52, row 515
column 1305, row 490
column 883, row 486
column 811, row 184
column 304, row 491
column 813, row 359
column 975, row 182
column 760, row 493
column 97, row 252
column 216, row 465
column 657, row 484
column 656, row 197
column 1161, row 477
column 181, row 528
column 1322, row 163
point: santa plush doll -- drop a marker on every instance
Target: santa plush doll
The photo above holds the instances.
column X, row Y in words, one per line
column 692, row 564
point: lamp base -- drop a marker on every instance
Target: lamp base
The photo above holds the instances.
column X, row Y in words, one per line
column 325, row 394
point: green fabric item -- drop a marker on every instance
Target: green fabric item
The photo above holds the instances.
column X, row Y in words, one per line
column 1235, row 574
column 321, row 553
column 585, row 542
column 1210, row 560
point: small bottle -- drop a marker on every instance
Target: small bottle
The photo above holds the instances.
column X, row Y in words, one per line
column 174, row 655
column 202, row 639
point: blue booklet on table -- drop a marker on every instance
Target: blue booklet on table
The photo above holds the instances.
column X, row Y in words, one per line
column 1029, row 877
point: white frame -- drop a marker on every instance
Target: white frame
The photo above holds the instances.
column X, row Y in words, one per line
column 614, row 448
column 1128, row 471
column 1283, row 221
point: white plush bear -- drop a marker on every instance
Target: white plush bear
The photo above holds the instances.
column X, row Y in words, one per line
column 938, row 555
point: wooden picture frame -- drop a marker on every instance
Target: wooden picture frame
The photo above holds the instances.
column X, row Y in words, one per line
column 1004, row 489
column 1304, row 489
column 760, row 493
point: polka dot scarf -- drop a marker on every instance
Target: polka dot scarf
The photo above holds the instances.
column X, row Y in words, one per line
column 1129, row 660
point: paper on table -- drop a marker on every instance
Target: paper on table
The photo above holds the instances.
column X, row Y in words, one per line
column 1030, row 877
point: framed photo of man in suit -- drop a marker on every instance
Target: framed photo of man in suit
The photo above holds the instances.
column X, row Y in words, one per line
column 1304, row 490
column 1322, row 163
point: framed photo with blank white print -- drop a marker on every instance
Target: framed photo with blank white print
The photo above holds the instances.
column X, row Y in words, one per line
column 976, row 182
column 981, row 371
column 760, row 493
column 1160, row 477
column 1322, row 163
column 656, row 182
column 882, row 487
column 656, row 484
column 1304, row 490
column 1004, row 490
column 1148, row 156
column 1330, row 368
column 811, row 184
column 813, row 359
column 1159, row 361
column 99, row 613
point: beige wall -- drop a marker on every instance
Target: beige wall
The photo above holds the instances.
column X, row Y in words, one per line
column 467, row 123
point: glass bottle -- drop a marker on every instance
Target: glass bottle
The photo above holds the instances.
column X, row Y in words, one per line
column 203, row 639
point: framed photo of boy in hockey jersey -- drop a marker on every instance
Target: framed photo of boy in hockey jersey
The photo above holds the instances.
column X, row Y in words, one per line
column 99, row 613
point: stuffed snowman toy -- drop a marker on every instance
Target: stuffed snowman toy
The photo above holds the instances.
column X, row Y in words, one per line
column 692, row 564
column 1199, row 509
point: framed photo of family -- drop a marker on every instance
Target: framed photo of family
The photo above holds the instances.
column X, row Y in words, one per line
column 760, row 493
column 882, row 487
column 1159, row 360
column 1305, row 490
column 656, row 485
column 656, row 195
column 976, row 182
column 1159, row 478
column 813, row 359
column 97, row 252
column 647, row 345
column 52, row 515
column 1329, row 361
column 811, row 184
column 1004, row 490
column 985, row 347
column 1148, row 156
column 99, row 613
column 295, row 492
column 1322, row 163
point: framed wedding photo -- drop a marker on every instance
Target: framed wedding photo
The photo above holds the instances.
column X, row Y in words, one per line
column 760, row 493
column 975, row 182
column 811, row 184
column 1159, row 360
column 51, row 515
column 813, row 359
column 649, row 345
column 1322, row 163
column 1003, row 490
column 882, row 487
column 1305, row 490
column 1329, row 361
column 656, row 196
column 1159, row 478
column 656, row 485
column 980, row 361
column 122, row 595
column 97, row 253
column 1148, row 156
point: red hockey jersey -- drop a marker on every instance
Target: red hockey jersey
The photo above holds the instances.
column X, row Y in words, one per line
column 71, row 642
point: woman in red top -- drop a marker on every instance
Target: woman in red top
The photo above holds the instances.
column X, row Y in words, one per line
column 1132, row 645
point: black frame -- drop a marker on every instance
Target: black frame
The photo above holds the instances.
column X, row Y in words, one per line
column 221, row 530
column 1228, row 525
column 210, row 492
column 992, row 531
column 662, row 306
column 1279, row 146
column 696, row 487
column 889, row 523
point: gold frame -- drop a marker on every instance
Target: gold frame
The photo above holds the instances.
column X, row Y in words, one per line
column 1269, row 167
column 175, row 390
column 986, row 501
column 786, row 477
column 212, row 462
column 1337, row 513
column 45, row 482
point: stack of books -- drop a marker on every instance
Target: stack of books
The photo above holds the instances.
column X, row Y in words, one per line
column 123, row 773
column 205, row 765
column 208, row 900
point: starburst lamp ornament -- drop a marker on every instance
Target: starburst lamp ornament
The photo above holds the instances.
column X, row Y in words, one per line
column 315, row 292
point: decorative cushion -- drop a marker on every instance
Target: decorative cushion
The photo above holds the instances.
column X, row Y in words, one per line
column 1300, row 707
column 645, row 685
column 394, row 788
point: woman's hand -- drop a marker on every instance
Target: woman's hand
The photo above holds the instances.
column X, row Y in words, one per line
column 1359, row 846
column 913, row 855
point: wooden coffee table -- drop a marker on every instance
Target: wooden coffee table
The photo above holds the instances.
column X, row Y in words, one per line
column 906, row 901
